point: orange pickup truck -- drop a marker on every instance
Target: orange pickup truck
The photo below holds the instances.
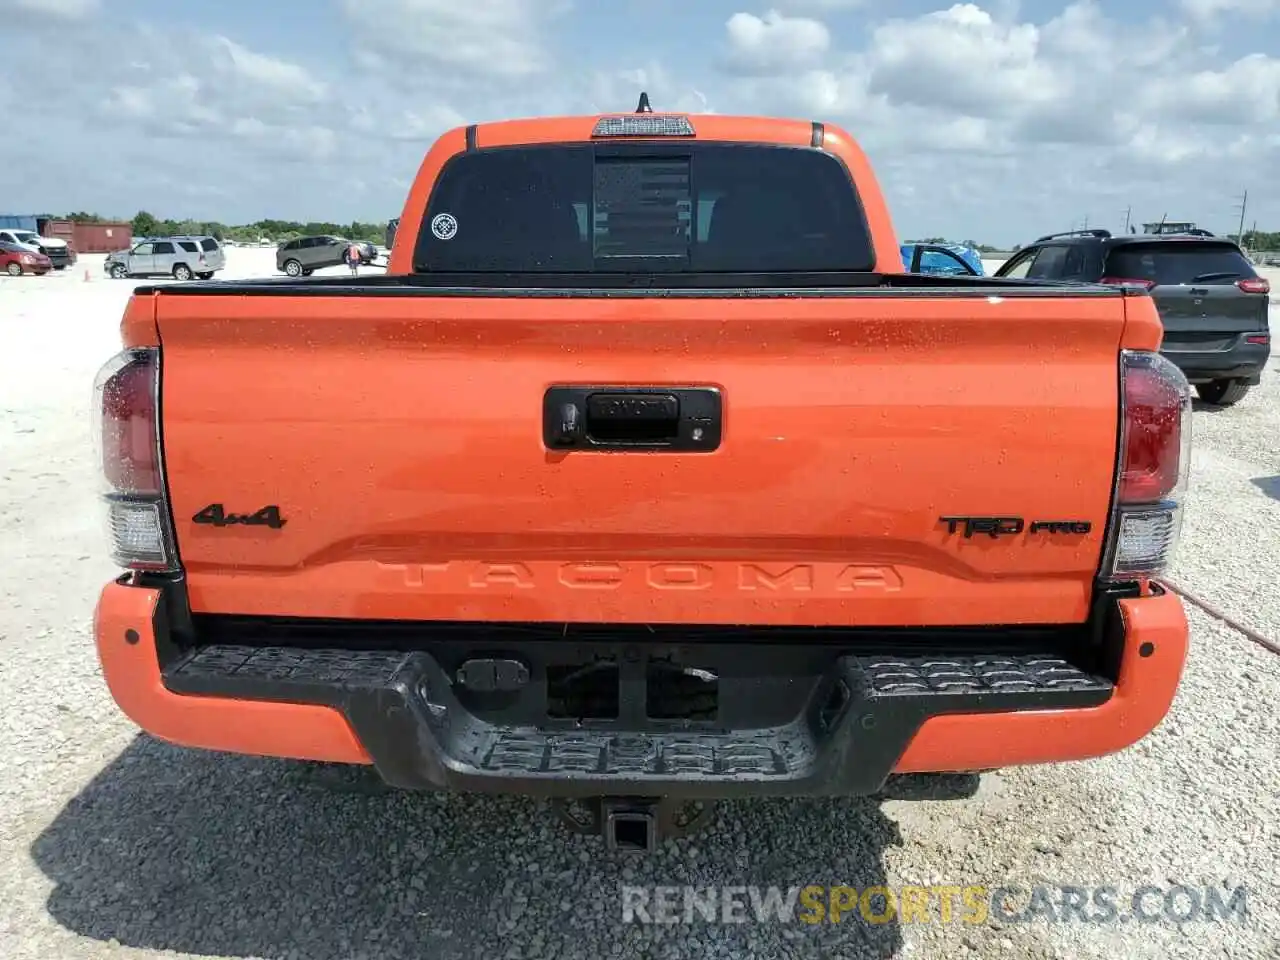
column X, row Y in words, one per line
column 644, row 476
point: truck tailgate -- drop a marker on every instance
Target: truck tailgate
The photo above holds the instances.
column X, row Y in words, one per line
column 401, row 437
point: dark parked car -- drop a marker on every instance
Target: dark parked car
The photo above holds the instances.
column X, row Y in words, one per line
column 392, row 227
column 1212, row 302
column 299, row 257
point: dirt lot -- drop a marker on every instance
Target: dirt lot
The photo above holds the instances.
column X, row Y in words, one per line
column 113, row 844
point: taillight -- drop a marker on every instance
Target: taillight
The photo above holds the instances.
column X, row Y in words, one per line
column 1254, row 285
column 127, row 440
column 1128, row 282
column 1153, row 463
column 1261, row 339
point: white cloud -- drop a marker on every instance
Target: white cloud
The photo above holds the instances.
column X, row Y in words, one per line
column 611, row 91
column 1244, row 94
column 272, row 76
column 774, row 43
column 55, row 10
column 185, row 85
column 459, row 40
column 962, row 59
column 1210, row 9
column 821, row 6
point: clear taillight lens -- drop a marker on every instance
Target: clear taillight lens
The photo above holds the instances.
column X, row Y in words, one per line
column 1146, row 540
column 127, row 443
column 1154, row 462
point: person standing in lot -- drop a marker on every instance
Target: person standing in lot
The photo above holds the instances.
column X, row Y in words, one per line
column 353, row 258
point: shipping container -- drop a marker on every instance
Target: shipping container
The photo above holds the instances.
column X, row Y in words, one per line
column 54, row 229
column 102, row 237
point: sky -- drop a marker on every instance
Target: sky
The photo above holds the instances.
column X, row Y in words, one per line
column 993, row 121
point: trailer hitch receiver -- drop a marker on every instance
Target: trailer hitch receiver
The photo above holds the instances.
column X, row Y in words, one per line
column 633, row 824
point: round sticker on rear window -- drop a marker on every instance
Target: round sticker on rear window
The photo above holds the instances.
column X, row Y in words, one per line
column 444, row 226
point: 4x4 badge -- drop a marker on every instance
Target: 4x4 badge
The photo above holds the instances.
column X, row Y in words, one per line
column 215, row 515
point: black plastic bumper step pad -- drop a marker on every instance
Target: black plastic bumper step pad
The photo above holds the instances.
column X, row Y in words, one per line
column 404, row 708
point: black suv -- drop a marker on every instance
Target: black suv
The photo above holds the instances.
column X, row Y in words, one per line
column 1211, row 301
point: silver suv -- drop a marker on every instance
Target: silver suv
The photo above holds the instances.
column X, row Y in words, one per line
column 179, row 257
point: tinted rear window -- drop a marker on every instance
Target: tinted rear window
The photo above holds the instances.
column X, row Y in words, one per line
column 640, row 208
column 1178, row 261
column 208, row 244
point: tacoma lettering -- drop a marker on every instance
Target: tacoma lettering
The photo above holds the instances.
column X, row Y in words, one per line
column 796, row 578
column 679, row 576
column 502, row 575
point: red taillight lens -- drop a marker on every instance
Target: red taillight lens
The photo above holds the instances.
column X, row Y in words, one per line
column 127, row 434
column 1258, row 338
column 1154, row 399
column 130, row 432
column 1128, row 282
column 1254, row 285
column 1154, row 460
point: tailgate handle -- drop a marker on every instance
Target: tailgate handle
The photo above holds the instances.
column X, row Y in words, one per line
column 632, row 418
column 1200, row 291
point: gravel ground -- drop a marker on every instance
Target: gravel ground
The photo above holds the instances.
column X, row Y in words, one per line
column 113, row 844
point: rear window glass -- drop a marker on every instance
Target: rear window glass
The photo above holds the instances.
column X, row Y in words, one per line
column 208, row 244
column 1178, row 261
column 640, row 208
column 188, row 245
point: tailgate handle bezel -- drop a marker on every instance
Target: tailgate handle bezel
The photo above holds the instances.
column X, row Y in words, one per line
column 677, row 419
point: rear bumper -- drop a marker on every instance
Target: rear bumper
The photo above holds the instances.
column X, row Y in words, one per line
column 794, row 717
column 1242, row 361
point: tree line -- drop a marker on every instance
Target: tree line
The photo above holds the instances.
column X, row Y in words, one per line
column 148, row 225
column 1261, row 240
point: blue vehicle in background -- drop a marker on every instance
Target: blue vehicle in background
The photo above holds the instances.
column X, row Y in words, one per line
column 953, row 259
